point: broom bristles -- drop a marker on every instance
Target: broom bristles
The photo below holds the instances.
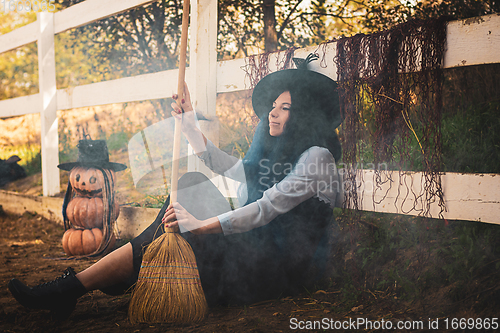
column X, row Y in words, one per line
column 168, row 289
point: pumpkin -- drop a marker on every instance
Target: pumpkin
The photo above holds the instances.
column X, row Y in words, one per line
column 77, row 242
column 88, row 212
column 88, row 181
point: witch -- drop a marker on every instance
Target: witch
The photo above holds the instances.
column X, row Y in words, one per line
column 268, row 247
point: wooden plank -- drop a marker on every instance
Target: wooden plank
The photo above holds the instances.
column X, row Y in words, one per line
column 90, row 11
column 203, row 78
column 203, row 55
column 47, row 83
column 16, row 203
column 19, row 106
column 19, row 37
column 473, row 41
column 135, row 88
column 130, row 223
column 473, row 197
column 230, row 76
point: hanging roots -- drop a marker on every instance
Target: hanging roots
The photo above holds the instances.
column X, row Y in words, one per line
column 390, row 78
column 257, row 66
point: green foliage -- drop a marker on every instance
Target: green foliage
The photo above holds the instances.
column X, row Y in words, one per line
column 457, row 9
column 471, row 119
column 117, row 140
column 32, row 162
column 146, row 39
column 471, row 251
column 14, row 19
column 138, row 41
column 298, row 24
column 470, row 125
column 19, row 72
column 18, row 67
column 30, row 156
column 384, row 14
column 350, row 294
column 76, row 63
column 239, row 146
column 151, row 201
column 471, row 140
column 410, row 256
column 67, row 152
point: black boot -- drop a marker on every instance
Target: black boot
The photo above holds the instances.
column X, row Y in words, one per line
column 59, row 295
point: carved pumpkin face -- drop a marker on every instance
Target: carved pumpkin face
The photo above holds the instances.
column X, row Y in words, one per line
column 88, row 181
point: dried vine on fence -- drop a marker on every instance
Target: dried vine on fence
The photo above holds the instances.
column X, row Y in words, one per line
column 391, row 78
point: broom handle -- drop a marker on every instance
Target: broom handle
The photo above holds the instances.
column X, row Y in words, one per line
column 180, row 95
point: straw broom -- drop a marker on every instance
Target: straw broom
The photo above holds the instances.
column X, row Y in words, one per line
column 169, row 289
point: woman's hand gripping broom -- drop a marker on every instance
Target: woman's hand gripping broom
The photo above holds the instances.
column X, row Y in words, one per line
column 169, row 287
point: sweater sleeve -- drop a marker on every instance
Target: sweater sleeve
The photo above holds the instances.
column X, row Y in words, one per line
column 315, row 174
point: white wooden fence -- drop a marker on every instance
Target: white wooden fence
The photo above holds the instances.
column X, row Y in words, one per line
column 469, row 42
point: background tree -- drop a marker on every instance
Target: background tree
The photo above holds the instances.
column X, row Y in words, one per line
column 137, row 41
column 255, row 26
column 269, row 18
column 382, row 15
column 19, row 67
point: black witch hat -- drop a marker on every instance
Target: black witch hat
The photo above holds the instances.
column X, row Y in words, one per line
column 93, row 153
column 319, row 88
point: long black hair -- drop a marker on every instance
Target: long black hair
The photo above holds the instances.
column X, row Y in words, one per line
column 270, row 159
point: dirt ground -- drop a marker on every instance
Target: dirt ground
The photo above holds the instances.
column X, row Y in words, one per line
column 29, row 244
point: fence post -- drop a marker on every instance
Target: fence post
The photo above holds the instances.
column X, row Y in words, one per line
column 203, row 71
column 48, row 116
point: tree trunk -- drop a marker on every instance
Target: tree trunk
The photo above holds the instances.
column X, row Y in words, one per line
column 270, row 35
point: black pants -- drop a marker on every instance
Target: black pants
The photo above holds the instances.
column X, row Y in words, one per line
column 263, row 263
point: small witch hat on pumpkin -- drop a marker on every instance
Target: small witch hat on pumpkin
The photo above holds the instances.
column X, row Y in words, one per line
column 93, row 153
column 93, row 166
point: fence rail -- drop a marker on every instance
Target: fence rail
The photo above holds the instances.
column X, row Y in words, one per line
column 469, row 42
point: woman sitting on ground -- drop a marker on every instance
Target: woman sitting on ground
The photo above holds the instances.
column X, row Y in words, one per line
column 266, row 247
